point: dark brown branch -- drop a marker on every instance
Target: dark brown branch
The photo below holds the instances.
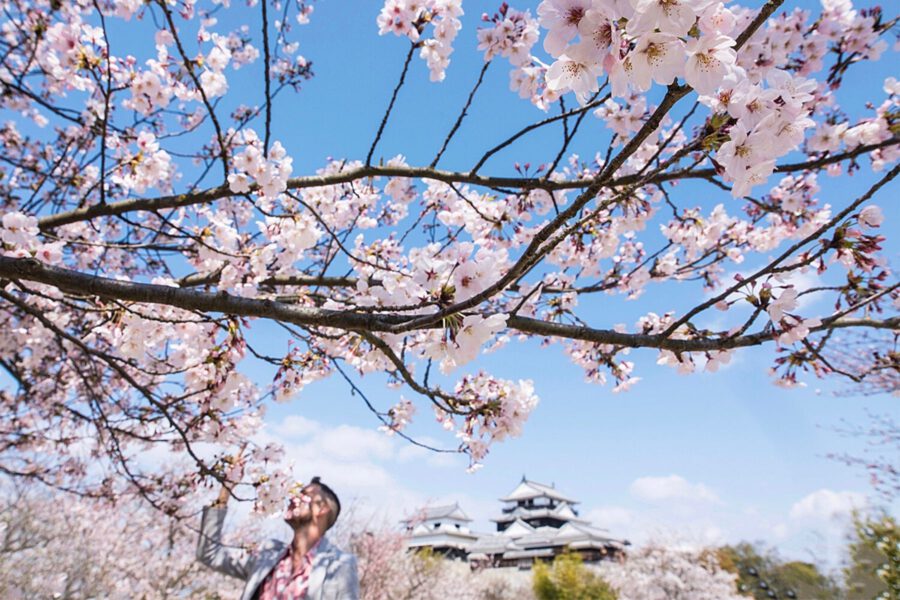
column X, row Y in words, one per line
column 350, row 175
column 786, row 254
column 267, row 81
column 89, row 285
column 462, row 115
column 534, row 126
column 223, row 150
column 390, row 107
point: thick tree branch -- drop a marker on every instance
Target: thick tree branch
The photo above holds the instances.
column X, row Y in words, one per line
column 350, row 175
column 83, row 284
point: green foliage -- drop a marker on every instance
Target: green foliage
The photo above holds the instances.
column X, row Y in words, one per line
column 760, row 571
column 568, row 579
column 874, row 561
column 427, row 561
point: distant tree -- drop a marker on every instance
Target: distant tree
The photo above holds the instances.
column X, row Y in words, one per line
column 873, row 571
column 387, row 571
column 663, row 572
column 567, row 578
column 56, row 545
column 879, row 458
column 761, row 573
column 872, row 362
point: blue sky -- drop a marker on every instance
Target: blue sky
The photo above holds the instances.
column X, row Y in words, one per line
column 718, row 457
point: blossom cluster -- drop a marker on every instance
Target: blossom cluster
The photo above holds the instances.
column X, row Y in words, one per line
column 512, row 36
column 149, row 166
column 136, row 550
column 769, row 123
column 496, row 409
column 269, row 173
column 19, row 237
column 409, row 18
column 636, row 44
column 400, row 415
column 668, row 572
column 462, row 344
column 298, row 369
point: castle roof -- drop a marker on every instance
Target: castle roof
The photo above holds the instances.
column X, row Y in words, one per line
column 562, row 512
column 521, row 540
column 441, row 538
column 531, row 489
column 431, row 513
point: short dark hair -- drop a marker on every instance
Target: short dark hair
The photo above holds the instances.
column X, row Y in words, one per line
column 331, row 496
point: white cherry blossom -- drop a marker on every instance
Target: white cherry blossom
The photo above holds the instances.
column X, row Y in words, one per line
column 710, row 59
column 657, row 57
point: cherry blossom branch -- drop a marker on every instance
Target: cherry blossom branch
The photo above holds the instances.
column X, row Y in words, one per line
column 568, row 136
column 188, row 66
column 348, row 176
column 786, row 254
column 90, row 285
column 563, row 116
column 525, row 183
column 390, row 107
column 117, row 368
column 808, row 165
column 537, row 248
column 267, row 77
column 106, row 96
column 462, row 115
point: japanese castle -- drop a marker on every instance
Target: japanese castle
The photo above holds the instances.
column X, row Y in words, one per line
column 537, row 522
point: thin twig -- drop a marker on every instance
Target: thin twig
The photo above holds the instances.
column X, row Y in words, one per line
column 462, row 115
column 390, row 107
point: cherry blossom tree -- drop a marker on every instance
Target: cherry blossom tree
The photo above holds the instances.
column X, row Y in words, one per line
column 150, row 219
column 871, row 363
column 56, row 545
column 388, row 571
column 661, row 572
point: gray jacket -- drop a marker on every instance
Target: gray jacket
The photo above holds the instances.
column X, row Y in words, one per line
column 333, row 576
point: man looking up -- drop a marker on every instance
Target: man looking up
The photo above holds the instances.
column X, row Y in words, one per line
column 310, row 567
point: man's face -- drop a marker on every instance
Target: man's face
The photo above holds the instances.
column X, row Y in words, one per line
column 305, row 505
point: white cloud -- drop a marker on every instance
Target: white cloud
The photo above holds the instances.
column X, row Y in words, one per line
column 671, row 488
column 827, row 504
column 359, row 463
column 410, row 452
column 612, row 518
column 295, row 426
column 780, row 531
column 348, row 443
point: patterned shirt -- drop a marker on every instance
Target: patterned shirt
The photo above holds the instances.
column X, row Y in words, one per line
column 283, row 583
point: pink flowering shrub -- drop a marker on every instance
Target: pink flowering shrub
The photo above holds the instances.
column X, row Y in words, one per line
column 60, row 546
column 661, row 572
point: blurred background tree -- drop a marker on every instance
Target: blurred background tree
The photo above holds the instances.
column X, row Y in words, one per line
column 873, row 570
column 763, row 574
column 567, row 578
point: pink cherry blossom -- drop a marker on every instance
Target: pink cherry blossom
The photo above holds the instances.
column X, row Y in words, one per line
column 871, row 216
column 675, row 17
column 167, row 264
column 561, row 18
column 575, row 71
column 658, row 57
column 710, row 59
column 786, row 301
